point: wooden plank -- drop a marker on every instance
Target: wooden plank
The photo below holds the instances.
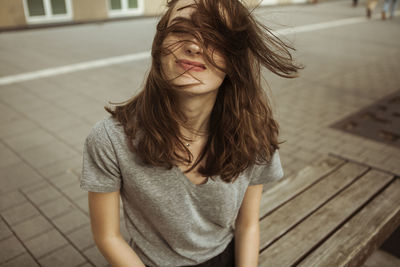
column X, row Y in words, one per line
column 292, row 186
column 287, row 216
column 366, row 231
column 301, row 240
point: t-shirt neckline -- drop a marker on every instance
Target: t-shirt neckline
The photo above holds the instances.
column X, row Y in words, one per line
column 189, row 183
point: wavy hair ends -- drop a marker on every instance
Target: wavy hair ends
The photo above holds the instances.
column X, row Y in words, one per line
column 242, row 129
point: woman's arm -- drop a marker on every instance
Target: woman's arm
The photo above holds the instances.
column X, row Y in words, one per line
column 104, row 217
column 247, row 228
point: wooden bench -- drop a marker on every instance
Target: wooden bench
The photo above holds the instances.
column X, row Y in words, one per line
column 332, row 213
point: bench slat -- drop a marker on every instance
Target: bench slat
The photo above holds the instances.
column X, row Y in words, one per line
column 360, row 236
column 292, row 186
column 301, row 240
column 287, row 216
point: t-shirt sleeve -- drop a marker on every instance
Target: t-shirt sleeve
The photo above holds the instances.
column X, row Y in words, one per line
column 268, row 172
column 100, row 171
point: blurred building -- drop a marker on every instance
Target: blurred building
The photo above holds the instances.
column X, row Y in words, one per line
column 31, row 13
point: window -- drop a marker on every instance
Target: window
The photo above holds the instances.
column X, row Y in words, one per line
column 39, row 11
column 125, row 7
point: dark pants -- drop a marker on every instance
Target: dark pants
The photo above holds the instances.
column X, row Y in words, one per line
column 224, row 259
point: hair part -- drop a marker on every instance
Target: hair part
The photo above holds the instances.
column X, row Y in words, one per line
column 242, row 130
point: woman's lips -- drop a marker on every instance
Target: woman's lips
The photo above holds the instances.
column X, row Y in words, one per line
column 190, row 65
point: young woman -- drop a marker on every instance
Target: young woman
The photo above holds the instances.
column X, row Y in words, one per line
column 190, row 153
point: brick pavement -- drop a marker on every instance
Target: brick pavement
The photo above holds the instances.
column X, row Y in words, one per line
column 44, row 215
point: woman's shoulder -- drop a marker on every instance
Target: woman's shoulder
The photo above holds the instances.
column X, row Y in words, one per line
column 107, row 130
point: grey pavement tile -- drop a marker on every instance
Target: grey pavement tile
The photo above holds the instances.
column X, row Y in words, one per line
column 24, row 102
column 29, row 140
column 44, row 194
column 45, row 243
column 11, row 128
column 24, row 260
column 10, row 90
column 64, row 180
column 73, row 190
column 8, row 114
column 71, row 221
column 45, row 113
column 87, row 264
column 55, row 125
column 56, row 207
column 75, row 135
column 48, row 153
column 19, row 213
column 66, row 256
column 61, row 167
column 95, row 256
column 32, row 227
column 46, row 90
column 82, row 203
column 82, row 238
column 17, row 175
column 10, row 199
column 10, row 248
column 7, row 156
column 34, row 187
column 5, row 231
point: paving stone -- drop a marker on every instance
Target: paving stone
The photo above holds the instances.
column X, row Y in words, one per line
column 29, row 140
column 34, row 187
column 5, row 231
column 32, row 227
column 7, row 157
column 83, row 203
column 75, row 135
column 87, row 264
column 70, row 221
column 11, row 128
column 19, row 213
column 82, row 237
column 44, row 194
column 8, row 114
column 61, row 167
column 10, row 248
column 11, row 199
column 95, row 256
column 56, row 207
column 17, row 175
column 55, row 125
column 25, row 260
column 74, row 191
column 45, row 243
column 43, row 113
column 48, row 153
column 65, row 179
column 64, row 257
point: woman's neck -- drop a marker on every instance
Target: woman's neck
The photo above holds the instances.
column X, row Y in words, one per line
column 197, row 110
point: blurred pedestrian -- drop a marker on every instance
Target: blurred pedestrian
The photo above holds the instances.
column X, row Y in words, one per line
column 392, row 4
column 190, row 153
column 355, row 3
column 371, row 4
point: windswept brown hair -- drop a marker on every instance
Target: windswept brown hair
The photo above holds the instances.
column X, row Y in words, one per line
column 242, row 130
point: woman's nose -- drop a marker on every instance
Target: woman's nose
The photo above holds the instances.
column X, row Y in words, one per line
column 192, row 48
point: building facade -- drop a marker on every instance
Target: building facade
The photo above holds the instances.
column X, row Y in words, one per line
column 16, row 14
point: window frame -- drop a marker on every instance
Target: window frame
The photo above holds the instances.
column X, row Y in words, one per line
column 48, row 16
column 125, row 10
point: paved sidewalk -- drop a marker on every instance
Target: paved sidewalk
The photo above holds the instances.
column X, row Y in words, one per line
column 44, row 214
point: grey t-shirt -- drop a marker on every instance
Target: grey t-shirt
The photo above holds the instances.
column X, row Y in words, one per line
column 171, row 221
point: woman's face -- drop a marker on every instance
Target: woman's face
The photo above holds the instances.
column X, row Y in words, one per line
column 186, row 66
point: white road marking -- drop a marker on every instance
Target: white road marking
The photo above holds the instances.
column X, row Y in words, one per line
column 145, row 55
